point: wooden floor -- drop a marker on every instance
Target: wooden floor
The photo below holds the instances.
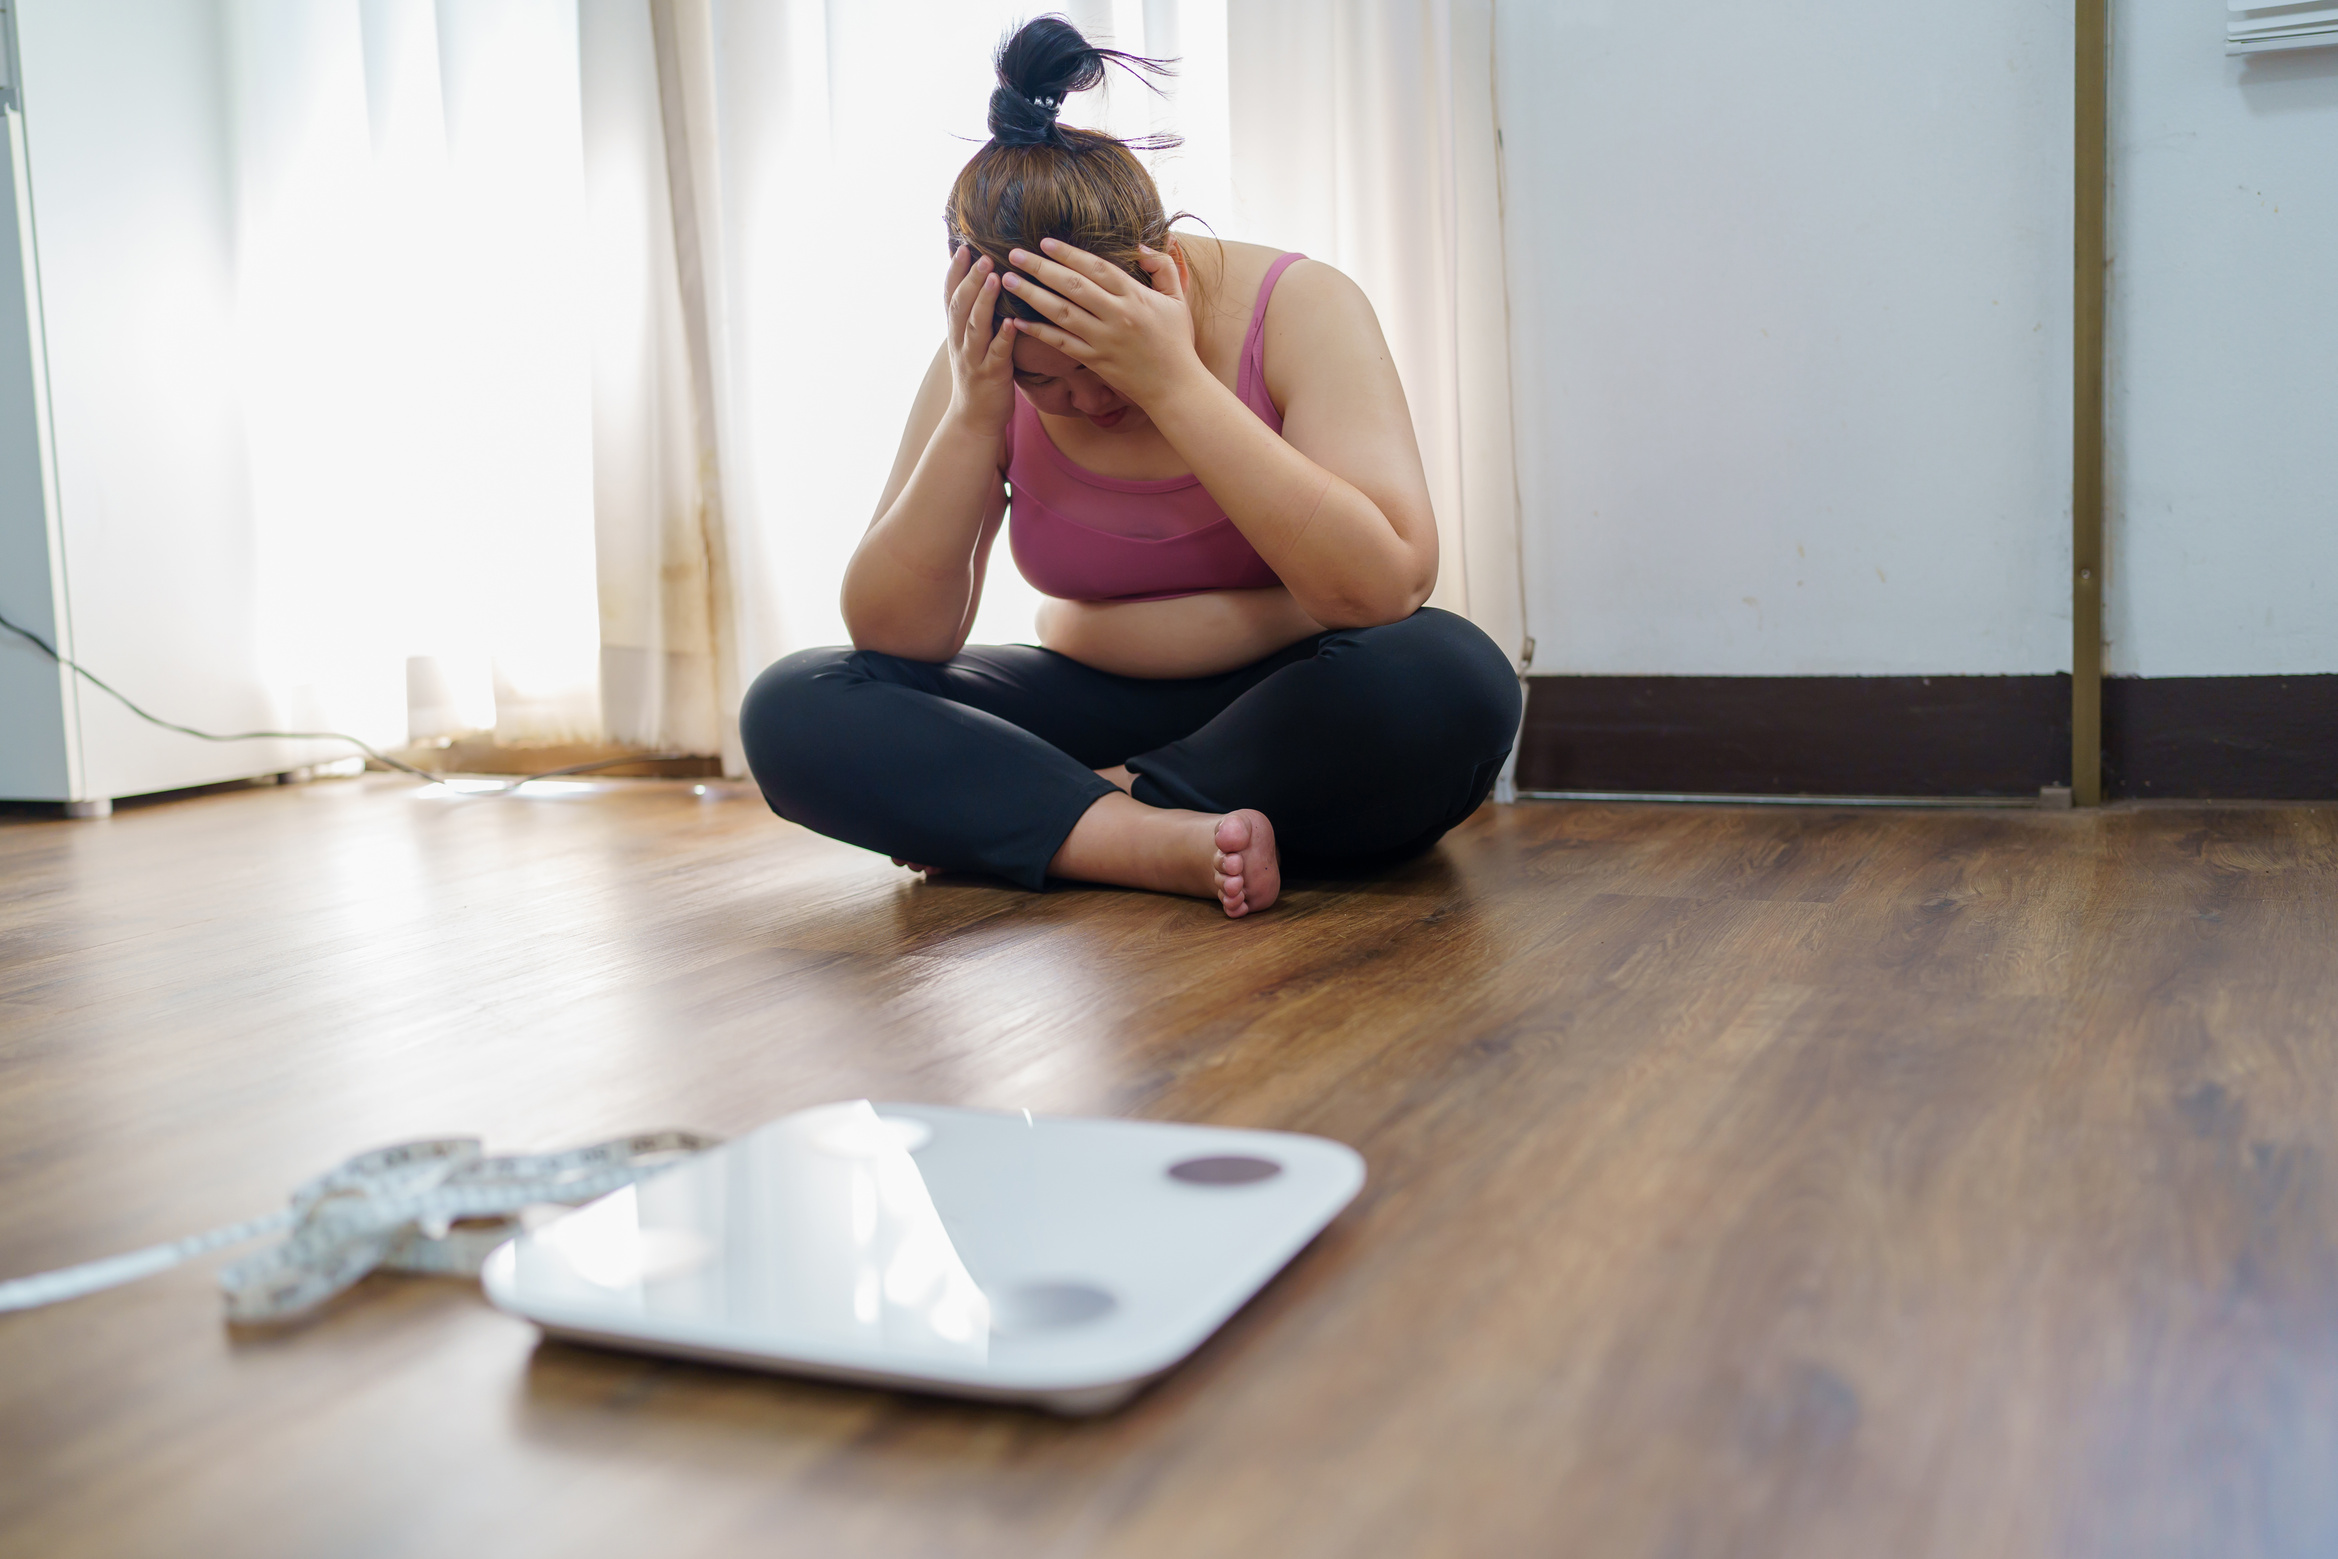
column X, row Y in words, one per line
column 1743, row 1181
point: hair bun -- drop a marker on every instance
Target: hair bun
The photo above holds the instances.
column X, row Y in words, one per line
column 1039, row 65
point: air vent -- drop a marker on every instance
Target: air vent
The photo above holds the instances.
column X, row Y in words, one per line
column 2301, row 24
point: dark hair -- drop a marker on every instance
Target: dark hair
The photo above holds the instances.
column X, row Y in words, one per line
column 1037, row 178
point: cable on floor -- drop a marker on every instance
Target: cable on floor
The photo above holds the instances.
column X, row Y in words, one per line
column 376, row 754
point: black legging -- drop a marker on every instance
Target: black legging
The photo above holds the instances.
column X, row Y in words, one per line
column 1357, row 744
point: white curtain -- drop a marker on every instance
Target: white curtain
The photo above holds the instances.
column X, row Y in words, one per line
column 580, row 332
column 1365, row 133
column 767, row 179
column 666, row 590
column 410, row 261
column 807, row 149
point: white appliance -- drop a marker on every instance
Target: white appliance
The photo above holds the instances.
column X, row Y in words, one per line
column 1053, row 1261
column 2254, row 27
column 126, row 519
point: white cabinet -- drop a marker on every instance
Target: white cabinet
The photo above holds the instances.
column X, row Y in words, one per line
column 127, row 531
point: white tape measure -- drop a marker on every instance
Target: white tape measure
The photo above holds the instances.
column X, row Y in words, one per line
column 433, row 1206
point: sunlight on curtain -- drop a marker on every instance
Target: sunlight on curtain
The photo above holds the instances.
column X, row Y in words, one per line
column 416, row 381
column 577, row 335
column 808, row 156
column 1364, row 134
column 660, row 597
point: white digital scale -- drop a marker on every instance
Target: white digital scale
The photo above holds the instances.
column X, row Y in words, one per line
column 1060, row 1262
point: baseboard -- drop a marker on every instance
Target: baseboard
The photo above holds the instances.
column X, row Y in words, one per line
column 2236, row 738
column 1825, row 736
column 2231, row 738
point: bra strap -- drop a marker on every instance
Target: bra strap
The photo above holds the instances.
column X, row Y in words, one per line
column 1250, row 378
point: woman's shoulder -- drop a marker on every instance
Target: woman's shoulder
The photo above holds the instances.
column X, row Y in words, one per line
column 1312, row 291
column 1242, row 268
column 1318, row 317
column 1309, row 297
column 1318, row 322
column 1321, row 340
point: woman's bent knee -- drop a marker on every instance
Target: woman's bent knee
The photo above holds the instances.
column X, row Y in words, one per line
column 1483, row 681
column 1457, row 688
column 787, row 711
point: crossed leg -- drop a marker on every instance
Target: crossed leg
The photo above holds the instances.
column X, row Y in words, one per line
column 1359, row 743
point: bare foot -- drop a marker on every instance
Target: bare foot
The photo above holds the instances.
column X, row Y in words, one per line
column 1170, row 850
column 928, row 871
column 1249, row 873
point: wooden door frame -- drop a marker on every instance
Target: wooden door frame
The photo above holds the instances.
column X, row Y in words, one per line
column 2089, row 278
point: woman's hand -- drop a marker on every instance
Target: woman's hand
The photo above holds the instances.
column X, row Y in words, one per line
column 982, row 358
column 1138, row 339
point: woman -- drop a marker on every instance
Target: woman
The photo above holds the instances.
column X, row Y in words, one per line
column 1224, row 502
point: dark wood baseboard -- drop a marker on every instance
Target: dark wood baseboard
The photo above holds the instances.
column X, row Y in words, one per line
column 2233, row 738
column 1785, row 736
column 2230, row 738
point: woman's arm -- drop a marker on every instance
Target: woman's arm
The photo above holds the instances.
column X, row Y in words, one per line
column 915, row 580
column 1337, row 505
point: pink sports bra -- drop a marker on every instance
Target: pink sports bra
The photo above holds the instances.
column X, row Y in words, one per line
column 1079, row 536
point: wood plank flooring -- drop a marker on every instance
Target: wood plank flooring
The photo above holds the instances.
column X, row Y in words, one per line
column 1743, row 1181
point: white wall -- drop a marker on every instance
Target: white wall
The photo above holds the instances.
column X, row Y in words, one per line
column 2223, row 547
column 1790, row 323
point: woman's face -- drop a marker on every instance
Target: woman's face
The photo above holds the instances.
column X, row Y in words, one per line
column 1061, row 387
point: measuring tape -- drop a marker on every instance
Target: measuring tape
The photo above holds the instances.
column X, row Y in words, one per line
column 438, row 1205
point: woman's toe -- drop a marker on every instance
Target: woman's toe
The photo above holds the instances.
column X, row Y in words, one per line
column 1246, row 846
column 1248, row 876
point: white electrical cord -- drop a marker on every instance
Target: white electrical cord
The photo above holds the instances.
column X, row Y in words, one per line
column 509, row 787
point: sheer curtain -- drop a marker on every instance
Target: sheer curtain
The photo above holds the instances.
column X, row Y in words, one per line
column 576, row 335
column 666, row 590
column 579, row 333
column 758, row 377
column 766, row 184
column 1365, row 133
column 410, row 247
